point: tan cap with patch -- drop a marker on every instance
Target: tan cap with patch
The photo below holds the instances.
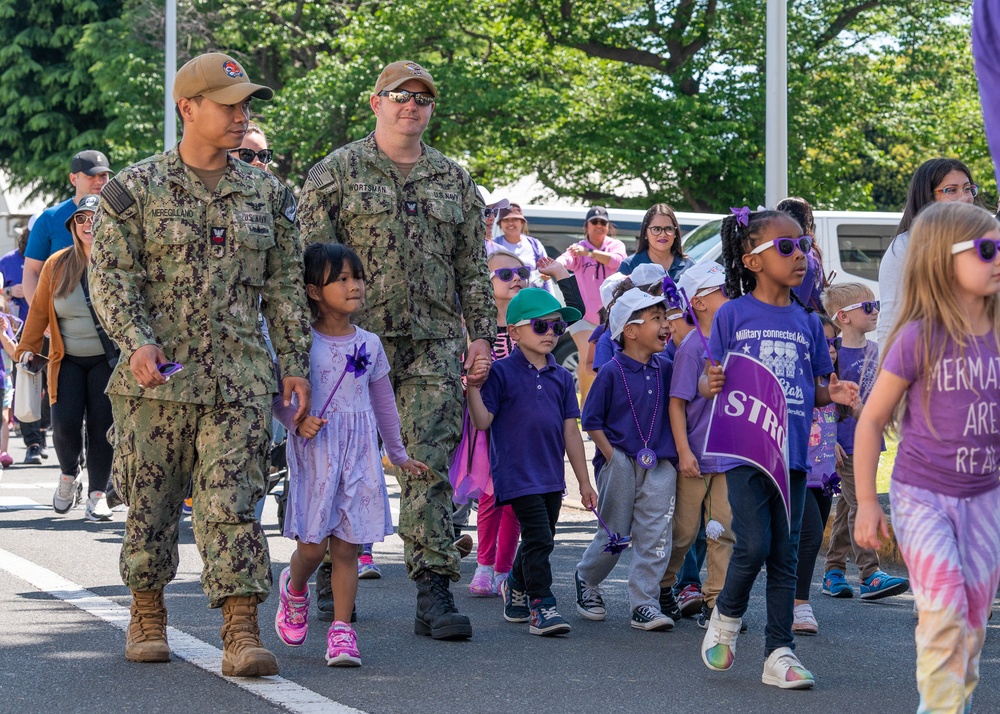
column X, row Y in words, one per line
column 401, row 72
column 217, row 77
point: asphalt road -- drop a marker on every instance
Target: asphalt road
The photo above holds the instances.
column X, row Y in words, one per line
column 57, row 657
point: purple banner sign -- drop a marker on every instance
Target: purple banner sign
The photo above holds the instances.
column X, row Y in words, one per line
column 749, row 422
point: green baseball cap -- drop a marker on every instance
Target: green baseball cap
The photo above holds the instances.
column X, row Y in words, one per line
column 535, row 302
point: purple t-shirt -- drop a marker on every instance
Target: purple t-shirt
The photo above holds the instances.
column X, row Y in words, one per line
column 689, row 364
column 951, row 446
column 791, row 343
column 529, row 408
column 822, row 445
column 856, row 364
column 609, row 406
column 12, row 269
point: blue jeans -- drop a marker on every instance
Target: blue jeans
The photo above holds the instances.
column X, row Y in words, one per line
column 694, row 561
column 762, row 537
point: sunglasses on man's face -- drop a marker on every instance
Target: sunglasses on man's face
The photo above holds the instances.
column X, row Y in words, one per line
column 986, row 248
column 869, row 306
column 83, row 218
column 507, row 274
column 835, row 342
column 401, row 96
column 264, row 155
column 541, row 327
column 785, row 246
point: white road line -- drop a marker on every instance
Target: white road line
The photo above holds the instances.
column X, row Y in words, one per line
column 276, row 690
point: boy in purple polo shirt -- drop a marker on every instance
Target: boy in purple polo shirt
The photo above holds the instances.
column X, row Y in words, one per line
column 701, row 483
column 855, row 310
column 626, row 416
column 528, row 393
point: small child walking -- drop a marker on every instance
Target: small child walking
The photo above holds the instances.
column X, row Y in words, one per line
column 336, row 487
column 626, row 416
column 855, row 310
column 765, row 257
column 527, row 393
column 939, row 385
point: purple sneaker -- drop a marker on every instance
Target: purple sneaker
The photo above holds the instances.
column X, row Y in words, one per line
column 291, row 622
column 342, row 646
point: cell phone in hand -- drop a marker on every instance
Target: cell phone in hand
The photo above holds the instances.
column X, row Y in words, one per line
column 35, row 365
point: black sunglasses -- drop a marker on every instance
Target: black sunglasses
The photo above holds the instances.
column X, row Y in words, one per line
column 401, row 96
column 540, row 327
column 835, row 342
column 247, row 155
column 507, row 274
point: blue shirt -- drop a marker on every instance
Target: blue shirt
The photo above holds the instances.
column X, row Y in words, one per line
column 12, row 269
column 609, row 408
column 676, row 268
column 49, row 233
column 529, row 408
column 791, row 343
column 856, row 364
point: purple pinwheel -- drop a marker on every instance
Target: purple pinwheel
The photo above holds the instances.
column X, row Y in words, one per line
column 357, row 364
column 616, row 541
column 671, row 294
column 831, row 485
column 742, row 215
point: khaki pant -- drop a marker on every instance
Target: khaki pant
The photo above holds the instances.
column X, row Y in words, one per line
column 842, row 532
column 160, row 448
column 694, row 496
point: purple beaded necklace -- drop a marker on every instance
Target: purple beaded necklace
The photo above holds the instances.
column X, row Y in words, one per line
column 646, row 456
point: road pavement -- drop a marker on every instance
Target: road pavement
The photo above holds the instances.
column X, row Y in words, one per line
column 62, row 607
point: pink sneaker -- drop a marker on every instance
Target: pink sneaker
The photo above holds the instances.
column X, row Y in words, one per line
column 498, row 579
column 342, row 646
column 291, row 622
column 482, row 582
column 6, row 459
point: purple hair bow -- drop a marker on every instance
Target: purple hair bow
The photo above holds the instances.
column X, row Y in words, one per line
column 742, row 215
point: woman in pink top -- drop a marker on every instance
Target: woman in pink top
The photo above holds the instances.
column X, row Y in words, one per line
column 591, row 260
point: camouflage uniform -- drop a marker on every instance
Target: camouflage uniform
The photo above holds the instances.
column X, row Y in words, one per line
column 175, row 266
column 421, row 240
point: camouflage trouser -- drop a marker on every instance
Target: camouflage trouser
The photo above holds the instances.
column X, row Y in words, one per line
column 426, row 375
column 160, row 448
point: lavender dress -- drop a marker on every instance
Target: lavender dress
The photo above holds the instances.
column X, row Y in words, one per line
column 336, row 482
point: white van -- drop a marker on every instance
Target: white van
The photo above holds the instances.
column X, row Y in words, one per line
column 852, row 243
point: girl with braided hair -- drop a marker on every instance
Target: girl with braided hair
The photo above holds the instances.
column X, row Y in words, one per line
column 765, row 259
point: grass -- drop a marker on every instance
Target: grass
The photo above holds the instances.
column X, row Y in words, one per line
column 884, row 474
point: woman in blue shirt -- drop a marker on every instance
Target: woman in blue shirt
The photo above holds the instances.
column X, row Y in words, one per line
column 659, row 242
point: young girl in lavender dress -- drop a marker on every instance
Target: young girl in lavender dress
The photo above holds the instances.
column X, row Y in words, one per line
column 938, row 383
column 336, row 487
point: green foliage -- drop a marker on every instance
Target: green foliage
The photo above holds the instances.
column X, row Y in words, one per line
column 615, row 101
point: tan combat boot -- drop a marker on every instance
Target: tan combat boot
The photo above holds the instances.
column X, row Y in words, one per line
column 243, row 655
column 146, row 637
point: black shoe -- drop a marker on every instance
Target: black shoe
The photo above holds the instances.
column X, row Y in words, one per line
column 33, row 455
column 43, row 451
column 324, row 596
column 437, row 615
column 668, row 604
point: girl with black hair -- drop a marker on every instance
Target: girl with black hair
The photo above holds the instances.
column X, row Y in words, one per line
column 765, row 258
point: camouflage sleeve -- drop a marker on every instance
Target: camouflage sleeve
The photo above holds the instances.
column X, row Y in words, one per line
column 284, row 305
column 117, row 275
column 319, row 203
column 471, row 277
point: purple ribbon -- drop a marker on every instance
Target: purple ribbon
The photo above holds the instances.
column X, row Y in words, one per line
column 357, row 364
column 742, row 215
column 616, row 541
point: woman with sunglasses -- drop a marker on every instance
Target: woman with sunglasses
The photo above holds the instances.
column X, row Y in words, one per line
column 515, row 238
column 659, row 242
column 254, row 149
column 941, row 180
column 81, row 358
column 591, row 260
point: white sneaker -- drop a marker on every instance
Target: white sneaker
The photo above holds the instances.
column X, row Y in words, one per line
column 804, row 621
column 718, row 648
column 783, row 669
column 68, row 493
column 97, row 507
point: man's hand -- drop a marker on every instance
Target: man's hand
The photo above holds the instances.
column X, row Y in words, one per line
column 478, row 350
column 144, row 363
column 300, row 386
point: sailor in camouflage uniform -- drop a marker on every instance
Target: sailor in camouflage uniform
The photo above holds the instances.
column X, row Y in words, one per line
column 186, row 244
column 416, row 219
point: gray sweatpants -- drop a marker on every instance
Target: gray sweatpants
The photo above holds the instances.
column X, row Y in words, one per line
column 637, row 501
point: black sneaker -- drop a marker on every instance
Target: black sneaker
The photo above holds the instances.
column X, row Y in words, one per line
column 589, row 602
column 706, row 614
column 668, row 604
column 33, row 455
column 545, row 620
column 324, row 596
column 515, row 602
column 649, row 618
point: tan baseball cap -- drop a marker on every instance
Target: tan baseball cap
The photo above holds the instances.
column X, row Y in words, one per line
column 401, row 72
column 217, row 77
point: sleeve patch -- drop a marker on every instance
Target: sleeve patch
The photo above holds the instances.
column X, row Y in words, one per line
column 320, row 175
column 288, row 208
column 117, row 197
